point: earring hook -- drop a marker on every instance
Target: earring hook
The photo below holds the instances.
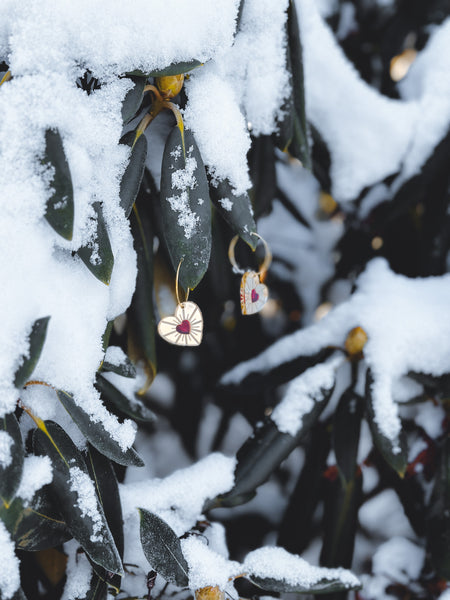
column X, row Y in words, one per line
column 267, row 258
column 176, row 285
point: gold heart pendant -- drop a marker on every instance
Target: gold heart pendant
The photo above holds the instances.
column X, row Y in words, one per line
column 185, row 328
column 253, row 294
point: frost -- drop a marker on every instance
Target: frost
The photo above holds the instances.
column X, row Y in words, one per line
column 6, row 442
column 37, row 472
column 276, row 563
column 87, row 502
column 184, row 180
column 408, row 326
column 9, row 573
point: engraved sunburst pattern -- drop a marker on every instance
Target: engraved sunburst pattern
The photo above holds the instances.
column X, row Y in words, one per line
column 185, row 327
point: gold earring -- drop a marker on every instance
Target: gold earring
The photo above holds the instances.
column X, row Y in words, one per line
column 185, row 327
column 253, row 293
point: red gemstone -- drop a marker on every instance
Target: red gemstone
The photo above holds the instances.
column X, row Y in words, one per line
column 255, row 296
column 184, row 327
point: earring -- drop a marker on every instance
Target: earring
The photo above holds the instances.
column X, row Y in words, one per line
column 253, row 293
column 185, row 327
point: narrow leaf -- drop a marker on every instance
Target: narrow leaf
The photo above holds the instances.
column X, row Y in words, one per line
column 124, row 369
column 185, row 207
column 438, row 516
column 97, row 435
column 265, row 450
column 323, row 586
column 174, row 69
column 97, row 255
column 74, row 493
column 236, row 210
column 60, row 206
column 132, row 178
column 136, row 410
column 11, row 469
column 141, row 318
column 398, row 460
column 346, row 430
column 133, row 99
column 162, row 549
column 36, row 341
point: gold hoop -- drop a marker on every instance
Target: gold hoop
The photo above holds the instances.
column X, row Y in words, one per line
column 176, row 286
column 267, row 258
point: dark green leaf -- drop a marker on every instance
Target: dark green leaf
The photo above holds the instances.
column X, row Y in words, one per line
column 346, row 430
column 141, row 318
column 97, row 255
column 106, row 335
column 236, row 210
column 60, row 206
column 133, row 99
column 104, row 477
column 136, row 410
column 36, row 341
column 265, row 450
column 11, row 474
column 173, row 69
column 162, row 549
column 35, row 527
column 97, row 435
column 324, row 586
column 342, row 502
column 185, row 207
column 296, row 126
column 261, row 161
column 132, row 178
column 67, row 462
column 438, row 516
column 397, row 459
column 98, row 588
column 124, row 369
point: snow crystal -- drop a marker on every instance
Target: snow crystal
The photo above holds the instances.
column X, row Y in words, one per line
column 277, row 563
column 301, row 395
column 87, row 502
column 207, row 567
column 37, row 472
column 6, row 442
column 399, row 559
column 78, row 571
column 9, row 573
column 226, row 204
column 408, row 326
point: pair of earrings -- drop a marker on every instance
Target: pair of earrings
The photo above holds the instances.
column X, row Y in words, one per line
column 185, row 327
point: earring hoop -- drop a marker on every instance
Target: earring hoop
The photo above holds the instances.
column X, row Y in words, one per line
column 265, row 264
column 176, row 285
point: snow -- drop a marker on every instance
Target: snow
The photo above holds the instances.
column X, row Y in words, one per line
column 399, row 559
column 207, row 567
column 277, row 563
column 6, row 442
column 79, row 572
column 115, row 355
column 9, row 573
column 398, row 135
column 182, row 181
column 431, row 417
column 87, row 501
column 384, row 516
column 302, row 393
column 408, row 327
column 37, row 472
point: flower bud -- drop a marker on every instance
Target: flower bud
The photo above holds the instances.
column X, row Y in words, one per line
column 170, row 85
column 355, row 342
column 209, row 593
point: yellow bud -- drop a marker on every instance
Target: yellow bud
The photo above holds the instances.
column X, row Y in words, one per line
column 356, row 340
column 209, row 593
column 170, row 85
column 327, row 203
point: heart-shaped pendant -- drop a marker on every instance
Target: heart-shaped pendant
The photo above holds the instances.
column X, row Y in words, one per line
column 185, row 328
column 253, row 295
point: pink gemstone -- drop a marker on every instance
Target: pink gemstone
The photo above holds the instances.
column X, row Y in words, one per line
column 255, row 296
column 184, row 327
